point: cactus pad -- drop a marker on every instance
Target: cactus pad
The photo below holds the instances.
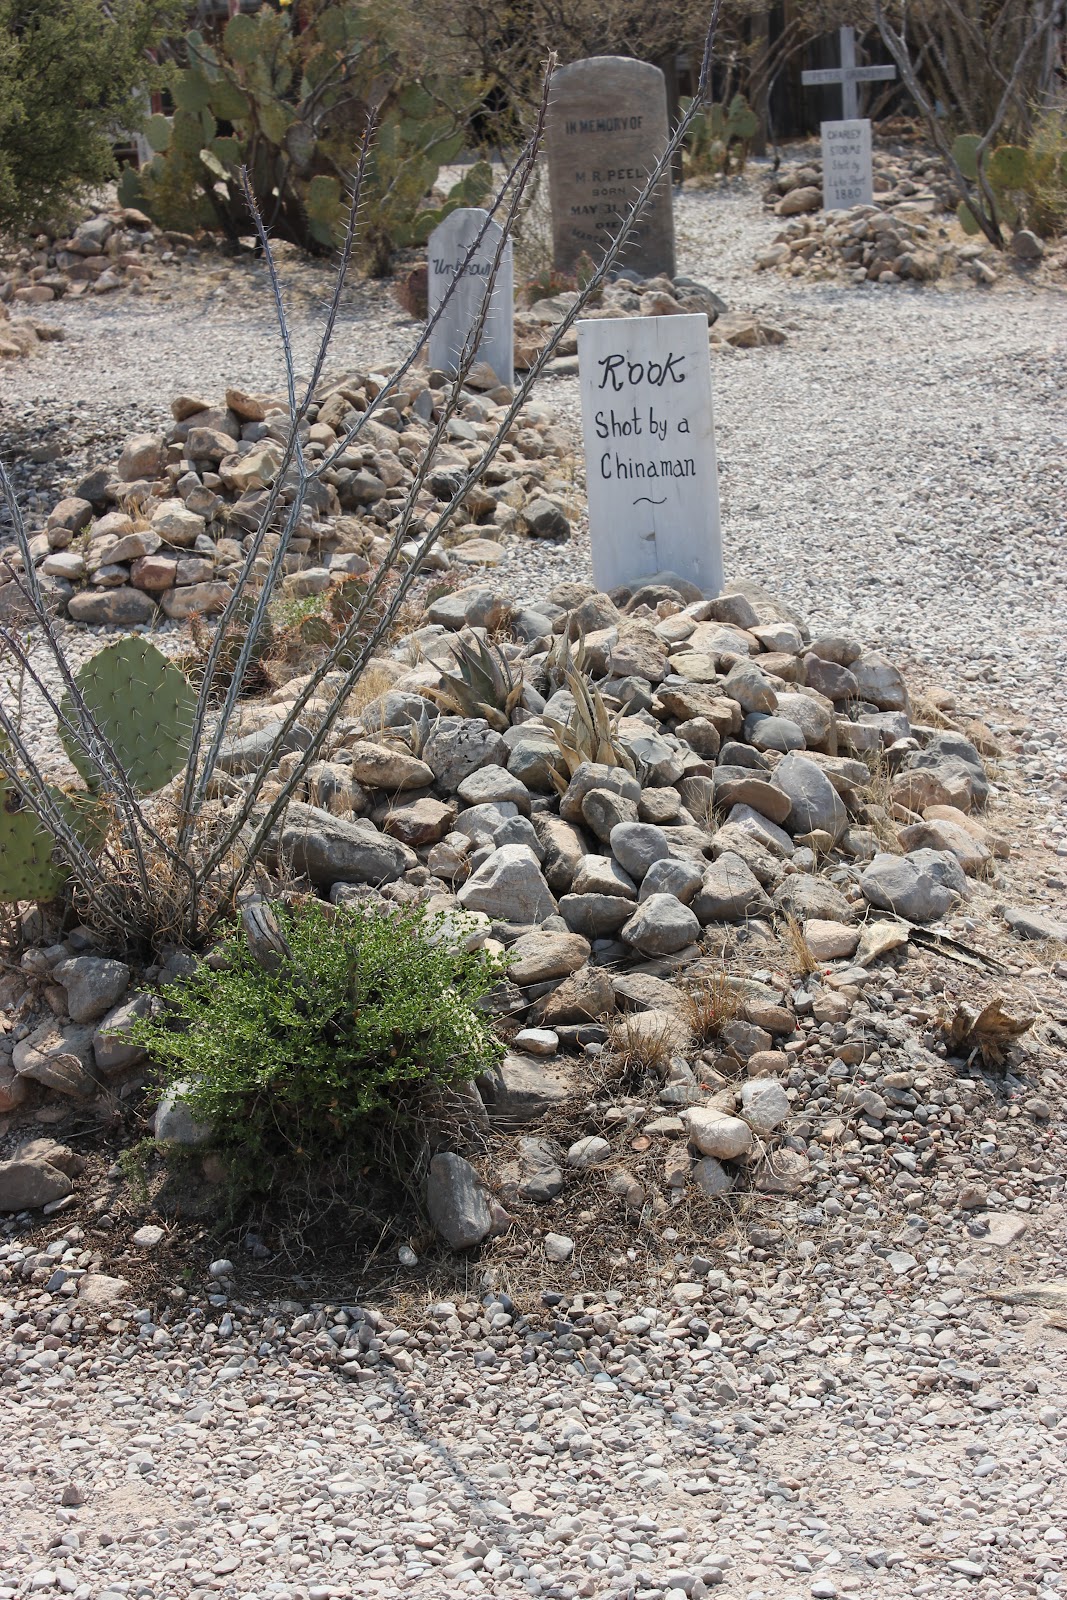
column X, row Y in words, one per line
column 28, row 870
column 145, row 708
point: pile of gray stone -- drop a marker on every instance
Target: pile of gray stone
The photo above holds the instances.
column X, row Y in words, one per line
column 766, row 784
column 107, row 250
column 868, row 244
column 917, row 183
column 165, row 529
column 630, row 295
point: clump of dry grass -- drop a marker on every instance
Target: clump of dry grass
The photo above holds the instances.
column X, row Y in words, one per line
column 879, row 796
column 639, row 1052
column 376, row 680
column 797, row 948
column 706, row 1005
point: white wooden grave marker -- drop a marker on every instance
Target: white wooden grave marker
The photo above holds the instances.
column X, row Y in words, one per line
column 649, row 436
column 847, row 178
column 447, row 250
column 848, row 75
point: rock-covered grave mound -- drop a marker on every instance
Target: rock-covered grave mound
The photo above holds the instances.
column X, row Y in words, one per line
column 164, row 531
column 757, row 784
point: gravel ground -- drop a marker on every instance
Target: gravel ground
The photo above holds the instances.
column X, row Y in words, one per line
column 832, row 1421
column 842, row 1413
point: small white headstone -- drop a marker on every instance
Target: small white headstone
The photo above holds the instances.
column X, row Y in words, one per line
column 847, row 174
column 447, row 251
column 652, row 479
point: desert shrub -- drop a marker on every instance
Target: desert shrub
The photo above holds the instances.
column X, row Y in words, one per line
column 375, row 1007
column 72, row 77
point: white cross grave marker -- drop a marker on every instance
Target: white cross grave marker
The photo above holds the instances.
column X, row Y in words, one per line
column 651, row 476
column 848, row 75
column 847, row 174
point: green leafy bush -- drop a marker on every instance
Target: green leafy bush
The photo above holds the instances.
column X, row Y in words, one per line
column 291, row 108
column 288, row 1066
column 73, row 75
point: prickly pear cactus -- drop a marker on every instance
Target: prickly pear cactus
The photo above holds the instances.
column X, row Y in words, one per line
column 145, row 708
column 27, row 871
column 28, row 868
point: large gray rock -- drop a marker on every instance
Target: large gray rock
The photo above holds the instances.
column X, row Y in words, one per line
column 673, row 876
column 767, row 834
column 592, row 775
column 459, row 746
column 331, row 850
column 533, row 756
column 806, row 896
column 814, row 717
column 59, row 1058
column 564, row 846
column 661, row 926
column 603, row 875
column 879, row 682
column 540, row 956
column 490, row 785
column 814, row 802
column 123, row 607
column 764, row 1104
column 246, row 753
column 521, row 1089
column 715, row 1133
column 475, row 606
column 636, row 845
column 583, row 997
column 457, row 1202
column 773, row 732
column 603, row 810
column 594, row 916
column 93, row 985
column 174, row 1123
column 711, row 1177
column 1031, row 923
column 535, row 1176
column 113, row 1051
column 746, row 684
column 921, row 886
column 509, row 886
column 26, row 1185
column 729, row 892
column 953, row 757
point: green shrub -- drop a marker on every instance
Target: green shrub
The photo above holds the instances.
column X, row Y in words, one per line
column 376, row 1006
column 73, row 75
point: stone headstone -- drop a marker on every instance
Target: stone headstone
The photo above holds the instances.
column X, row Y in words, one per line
column 607, row 127
column 446, row 255
column 847, row 174
column 652, row 480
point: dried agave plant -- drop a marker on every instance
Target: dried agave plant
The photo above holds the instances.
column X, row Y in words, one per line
column 589, row 735
column 561, row 660
column 485, row 686
column 990, row 1030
